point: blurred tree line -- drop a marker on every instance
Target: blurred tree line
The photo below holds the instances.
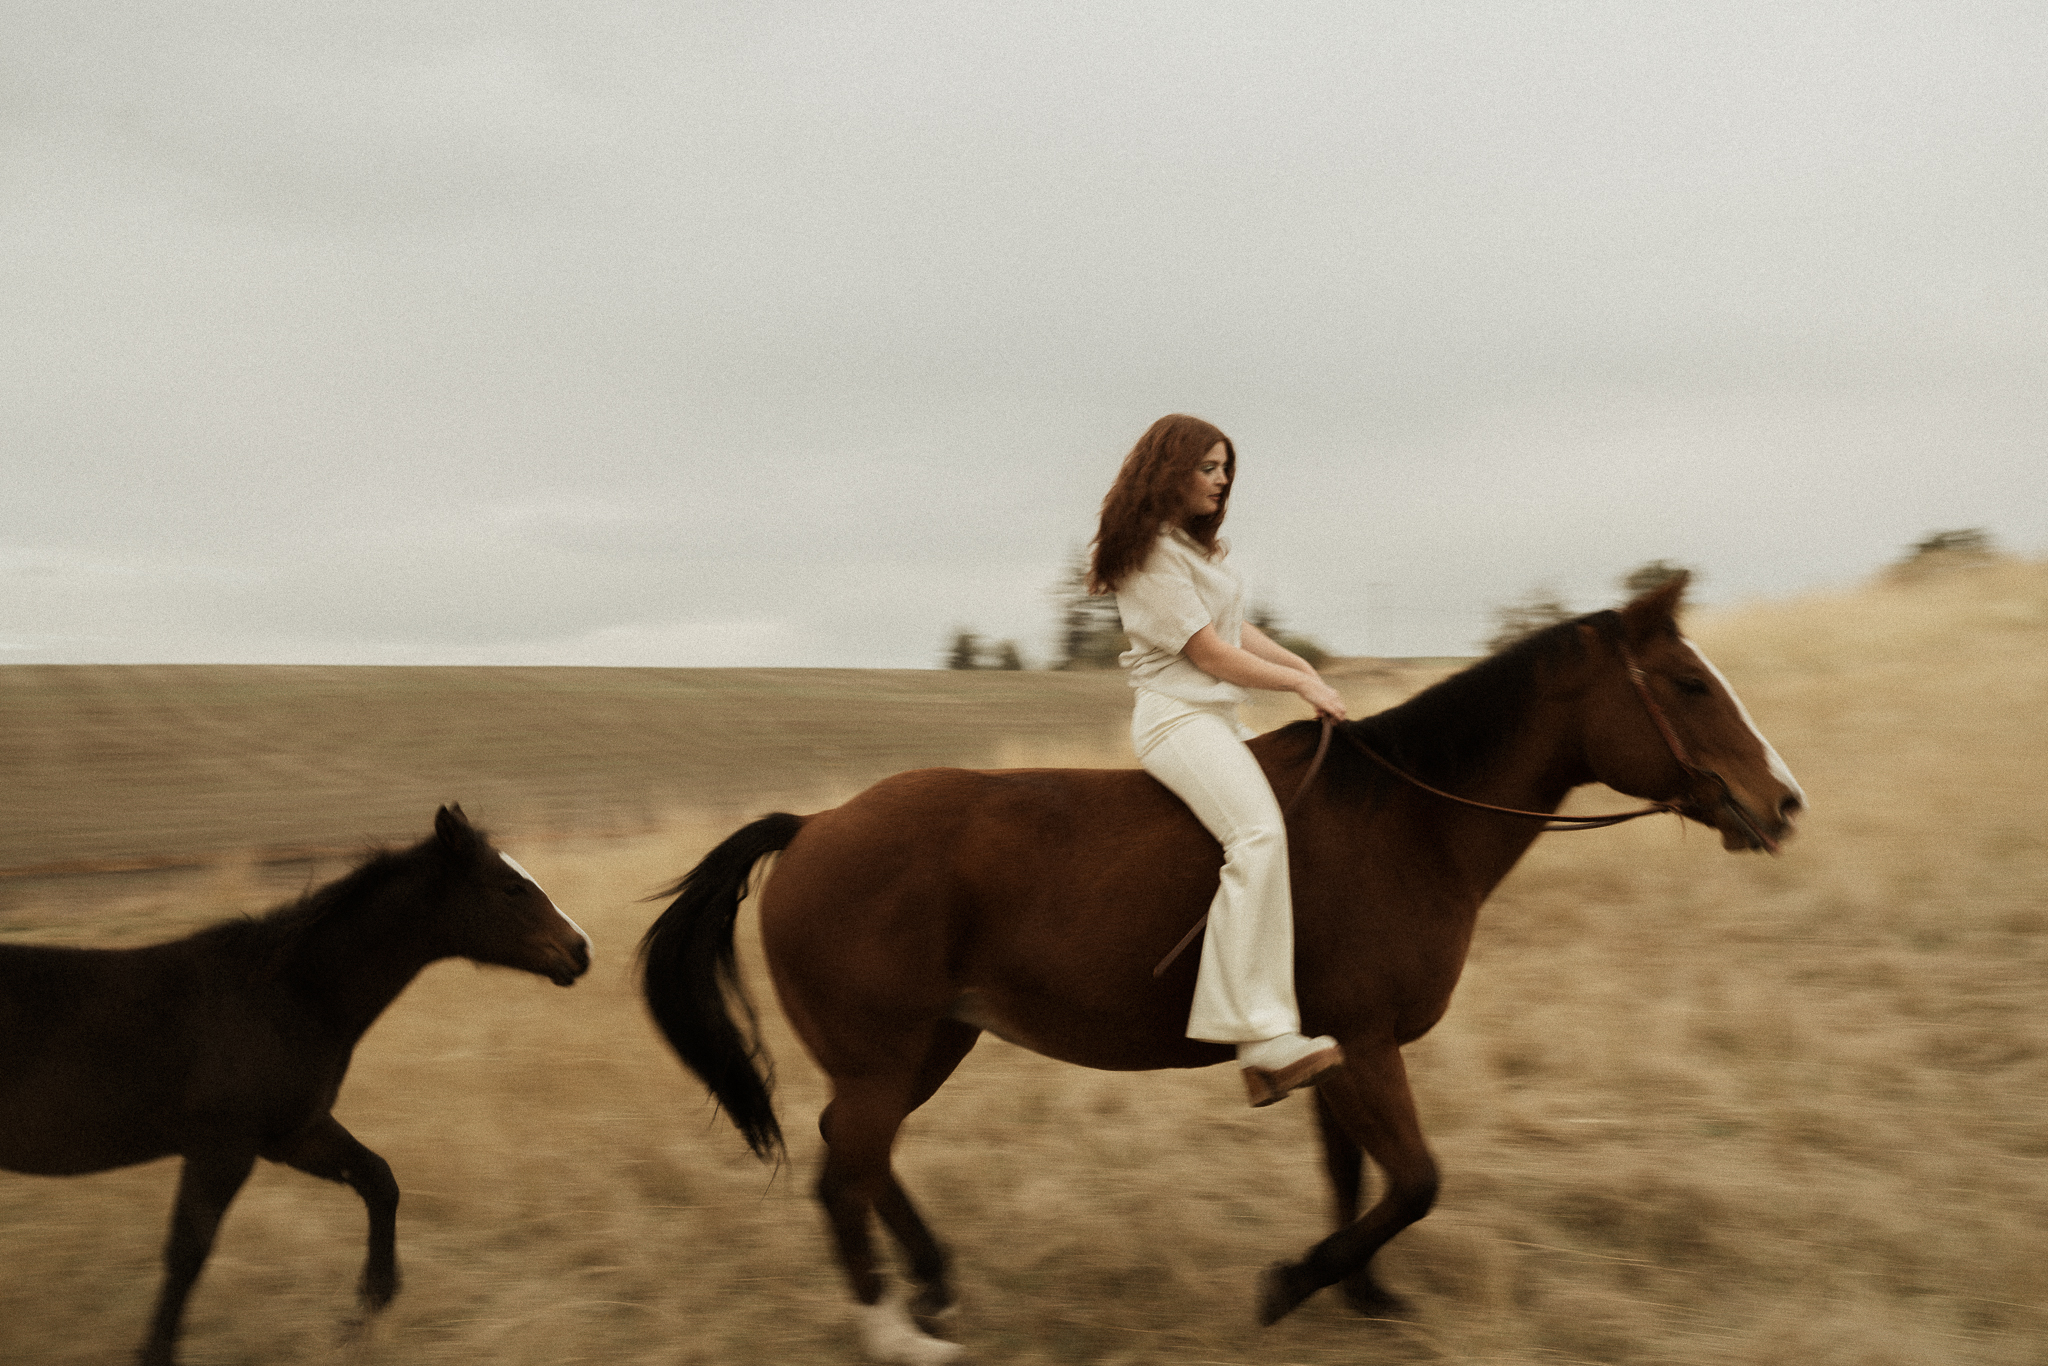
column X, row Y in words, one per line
column 1091, row 635
column 1938, row 552
column 970, row 651
column 1543, row 607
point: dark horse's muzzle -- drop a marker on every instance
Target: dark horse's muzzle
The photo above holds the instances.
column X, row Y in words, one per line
column 572, row 963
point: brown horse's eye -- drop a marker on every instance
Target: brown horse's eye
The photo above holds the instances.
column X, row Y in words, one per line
column 1692, row 687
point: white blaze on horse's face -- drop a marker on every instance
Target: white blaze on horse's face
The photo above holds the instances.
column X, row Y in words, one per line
column 1777, row 765
column 513, row 864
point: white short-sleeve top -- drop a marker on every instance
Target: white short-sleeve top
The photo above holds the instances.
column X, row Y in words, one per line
column 1177, row 591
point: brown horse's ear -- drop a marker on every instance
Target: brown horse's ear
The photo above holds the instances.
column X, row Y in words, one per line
column 1656, row 612
column 453, row 827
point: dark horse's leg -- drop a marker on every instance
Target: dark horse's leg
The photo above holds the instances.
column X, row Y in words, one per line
column 859, row 1129
column 1369, row 1102
column 330, row 1152
column 206, row 1187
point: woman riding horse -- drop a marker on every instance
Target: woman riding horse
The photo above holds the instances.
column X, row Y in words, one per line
column 1192, row 655
column 1034, row 904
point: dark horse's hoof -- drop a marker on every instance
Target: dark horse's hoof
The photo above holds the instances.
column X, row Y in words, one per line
column 377, row 1289
column 932, row 1309
column 1280, row 1290
column 1374, row 1300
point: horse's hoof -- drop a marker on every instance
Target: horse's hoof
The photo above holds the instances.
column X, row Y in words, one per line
column 888, row 1334
column 376, row 1291
column 1368, row 1297
column 933, row 1310
column 1279, row 1294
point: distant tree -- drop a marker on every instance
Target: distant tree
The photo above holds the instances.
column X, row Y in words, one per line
column 1944, row 550
column 1515, row 621
column 969, row 651
column 1268, row 620
column 1091, row 634
column 1655, row 574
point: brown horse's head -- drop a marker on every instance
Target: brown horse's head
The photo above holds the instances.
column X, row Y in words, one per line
column 1663, row 724
column 496, row 913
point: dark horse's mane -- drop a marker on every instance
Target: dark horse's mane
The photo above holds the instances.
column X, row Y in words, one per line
column 1452, row 729
column 271, row 936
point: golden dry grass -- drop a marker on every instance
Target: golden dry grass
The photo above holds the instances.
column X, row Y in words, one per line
column 1692, row 1107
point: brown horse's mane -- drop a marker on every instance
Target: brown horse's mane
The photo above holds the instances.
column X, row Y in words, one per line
column 272, row 936
column 1453, row 729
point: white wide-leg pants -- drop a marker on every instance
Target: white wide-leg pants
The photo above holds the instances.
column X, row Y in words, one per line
column 1245, row 989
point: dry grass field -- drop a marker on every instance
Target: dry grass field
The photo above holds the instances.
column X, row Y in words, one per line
column 1691, row 1107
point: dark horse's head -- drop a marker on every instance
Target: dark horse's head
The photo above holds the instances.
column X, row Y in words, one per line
column 492, row 911
column 1663, row 724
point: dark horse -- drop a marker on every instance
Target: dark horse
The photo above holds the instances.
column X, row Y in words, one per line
column 1036, row 903
column 231, row 1044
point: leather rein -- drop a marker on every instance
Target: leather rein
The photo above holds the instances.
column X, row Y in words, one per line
column 1552, row 820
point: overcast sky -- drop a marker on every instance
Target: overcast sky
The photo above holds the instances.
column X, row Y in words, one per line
column 797, row 334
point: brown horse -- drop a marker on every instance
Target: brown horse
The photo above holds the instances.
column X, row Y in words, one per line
column 1036, row 904
column 231, row 1044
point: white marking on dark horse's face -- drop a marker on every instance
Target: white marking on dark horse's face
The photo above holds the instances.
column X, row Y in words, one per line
column 1779, row 770
column 513, row 864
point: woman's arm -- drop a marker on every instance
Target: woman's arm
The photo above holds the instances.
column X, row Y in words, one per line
column 1257, row 642
column 1209, row 652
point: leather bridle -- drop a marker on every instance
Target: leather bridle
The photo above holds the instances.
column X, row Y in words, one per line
column 1637, row 677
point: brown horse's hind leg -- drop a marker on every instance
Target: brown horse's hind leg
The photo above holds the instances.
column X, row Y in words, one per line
column 332, row 1153
column 859, row 1128
column 206, row 1187
column 928, row 1262
column 1343, row 1161
column 1369, row 1100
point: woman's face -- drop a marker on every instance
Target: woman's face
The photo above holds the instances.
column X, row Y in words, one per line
column 1207, row 483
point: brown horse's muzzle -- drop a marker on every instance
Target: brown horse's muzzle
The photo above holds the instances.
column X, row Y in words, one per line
column 569, row 961
column 1743, row 827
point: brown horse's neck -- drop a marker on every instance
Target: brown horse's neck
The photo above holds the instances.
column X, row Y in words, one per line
column 1535, row 773
column 356, row 959
column 1504, row 733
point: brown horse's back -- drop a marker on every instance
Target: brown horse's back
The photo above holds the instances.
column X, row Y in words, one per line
column 99, row 1067
column 973, row 895
column 62, row 1011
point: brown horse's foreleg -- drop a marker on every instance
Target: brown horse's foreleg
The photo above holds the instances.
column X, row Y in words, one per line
column 332, row 1153
column 206, row 1187
column 1370, row 1100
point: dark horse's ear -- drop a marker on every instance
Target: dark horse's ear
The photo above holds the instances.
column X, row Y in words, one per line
column 1656, row 612
column 453, row 827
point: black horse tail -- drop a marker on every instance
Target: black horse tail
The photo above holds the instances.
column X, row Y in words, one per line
column 692, row 983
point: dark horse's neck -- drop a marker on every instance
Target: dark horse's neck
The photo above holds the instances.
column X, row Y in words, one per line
column 350, row 947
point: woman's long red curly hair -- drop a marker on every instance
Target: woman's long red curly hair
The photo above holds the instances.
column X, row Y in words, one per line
column 1152, row 487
